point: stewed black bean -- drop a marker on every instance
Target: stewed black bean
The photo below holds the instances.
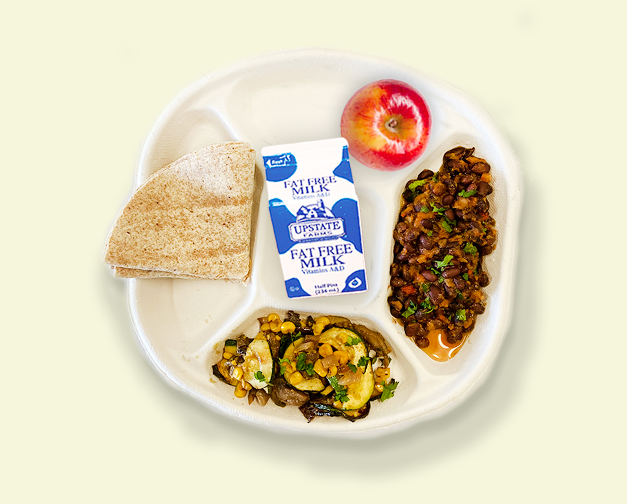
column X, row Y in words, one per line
column 426, row 242
column 424, row 174
column 422, row 342
column 451, row 272
column 410, row 235
column 397, row 282
column 435, row 293
column 443, row 232
column 448, row 200
column 484, row 188
column 429, row 276
column 459, row 282
column 438, row 189
column 480, row 168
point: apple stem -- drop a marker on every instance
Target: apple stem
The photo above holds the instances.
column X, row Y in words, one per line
column 392, row 123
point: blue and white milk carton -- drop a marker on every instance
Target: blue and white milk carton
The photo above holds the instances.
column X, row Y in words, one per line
column 315, row 216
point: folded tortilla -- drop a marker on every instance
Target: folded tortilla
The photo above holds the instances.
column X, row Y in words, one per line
column 120, row 272
column 190, row 219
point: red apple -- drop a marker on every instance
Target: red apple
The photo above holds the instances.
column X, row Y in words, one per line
column 386, row 124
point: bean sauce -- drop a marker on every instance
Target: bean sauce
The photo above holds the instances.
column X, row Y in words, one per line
column 443, row 232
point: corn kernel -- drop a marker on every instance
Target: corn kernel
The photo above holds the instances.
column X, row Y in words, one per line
column 378, row 387
column 265, row 327
column 327, row 390
column 337, row 404
column 273, row 316
column 319, row 368
column 240, row 391
column 317, row 329
column 295, row 378
column 237, row 373
column 382, row 374
column 323, row 320
column 278, row 338
column 343, row 337
column 245, row 385
column 288, row 327
column 227, row 355
column 332, row 371
column 275, row 325
column 325, row 350
column 342, row 356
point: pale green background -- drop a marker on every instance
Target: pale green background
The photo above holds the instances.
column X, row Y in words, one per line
column 84, row 416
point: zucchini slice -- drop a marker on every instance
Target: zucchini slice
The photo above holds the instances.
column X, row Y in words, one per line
column 258, row 364
column 340, row 338
column 230, row 346
column 309, row 384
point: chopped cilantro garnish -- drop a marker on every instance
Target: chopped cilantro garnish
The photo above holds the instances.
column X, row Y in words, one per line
column 411, row 309
column 425, row 287
column 340, row 391
column 460, row 314
column 282, row 363
column 469, row 248
column 300, row 360
column 416, row 183
column 427, row 305
column 352, row 341
column 413, row 187
column 388, row 390
column 467, row 194
column 465, row 276
column 444, row 262
column 424, row 209
column 259, row 376
column 363, row 361
column 352, row 367
column 446, row 226
column 302, row 365
column 436, row 209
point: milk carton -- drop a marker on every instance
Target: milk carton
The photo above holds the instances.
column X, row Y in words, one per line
column 315, row 216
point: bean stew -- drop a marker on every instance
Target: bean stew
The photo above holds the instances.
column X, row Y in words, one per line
column 443, row 232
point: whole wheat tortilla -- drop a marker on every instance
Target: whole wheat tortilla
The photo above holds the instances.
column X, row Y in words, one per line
column 192, row 218
column 120, row 272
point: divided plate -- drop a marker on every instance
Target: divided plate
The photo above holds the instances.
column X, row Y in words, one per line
column 298, row 96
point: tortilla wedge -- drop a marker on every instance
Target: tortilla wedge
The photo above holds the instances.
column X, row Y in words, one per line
column 120, row 272
column 190, row 219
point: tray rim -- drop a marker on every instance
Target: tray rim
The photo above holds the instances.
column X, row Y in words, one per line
column 513, row 214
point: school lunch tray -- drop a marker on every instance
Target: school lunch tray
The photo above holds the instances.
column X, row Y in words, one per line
column 296, row 96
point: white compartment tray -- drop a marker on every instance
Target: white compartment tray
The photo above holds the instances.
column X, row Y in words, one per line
column 297, row 96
